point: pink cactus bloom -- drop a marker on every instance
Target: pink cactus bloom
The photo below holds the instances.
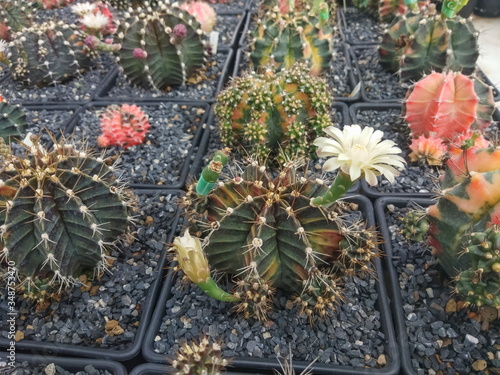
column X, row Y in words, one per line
column 431, row 149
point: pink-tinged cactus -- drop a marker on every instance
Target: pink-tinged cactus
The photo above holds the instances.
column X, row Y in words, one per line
column 110, row 28
column 123, row 126
column 431, row 149
column 468, row 142
column 203, row 13
column 441, row 105
column 52, row 4
column 388, row 9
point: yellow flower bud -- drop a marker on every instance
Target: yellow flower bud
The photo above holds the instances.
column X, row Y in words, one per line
column 191, row 258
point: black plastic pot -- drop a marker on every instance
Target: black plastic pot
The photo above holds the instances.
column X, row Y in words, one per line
column 195, row 151
column 253, row 364
column 156, row 369
column 103, row 94
column 51, row 348
column 69, row 364
column 487, row 8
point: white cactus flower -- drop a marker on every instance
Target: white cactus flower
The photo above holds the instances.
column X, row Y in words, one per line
column 94, row 21
column 83, row 8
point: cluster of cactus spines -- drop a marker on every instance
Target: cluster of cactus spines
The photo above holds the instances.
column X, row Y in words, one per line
column 203, row 358
column 274, row 114
column 283, row 38
column 444, row 105
column 48, row 53
column 203, row 13
column 63, row 210
column 52, row 4
column 430, row 149
column 123, row 126
column 418, row 43
column 161, row 47
column 415, row 226
column 13, row 122
column 15, row 15
column 265, row 231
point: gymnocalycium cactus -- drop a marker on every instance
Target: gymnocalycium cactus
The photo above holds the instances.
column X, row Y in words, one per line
column 161, row 46
column 62, row 211
column 285, row 36
column 271, row 111
column 417, row 43
column 388, row 9
column 203, row 358
column 48, row 53
column 13, row 121
column 15, row 15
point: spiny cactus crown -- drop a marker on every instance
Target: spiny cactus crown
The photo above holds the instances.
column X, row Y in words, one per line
column 203, row 358
column 63, row 210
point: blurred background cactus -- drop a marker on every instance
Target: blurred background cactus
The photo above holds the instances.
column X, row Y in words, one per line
column 13, row 122
column 63, row 210
column 264, row 231
column 388, row 9
column 48, row 53
column 289, row 33
column 14, row 16
column 52, row 4
column 161, row 46
column 274, row 114
column 203, row 13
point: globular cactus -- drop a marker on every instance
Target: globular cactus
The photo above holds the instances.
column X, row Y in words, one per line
column 313, row 8
column 13, row 122
column 15, row 15
column 464, row 223
column 123, row 126
column 284, row 37
column 445, row 105
column 431, row 149
column 161, row 47
column 203, row 358
column 418, row 43
column 48, row 53
column 387, row 9
column 203, row 13
column 265, row 231
column 63, row 210
column 274, row 114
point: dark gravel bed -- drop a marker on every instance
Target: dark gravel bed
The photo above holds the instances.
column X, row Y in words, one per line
column 360, row 27
column 351, row 336
column 226, row 26
column 25, row 368
column 80, row 317
column 442, row 338
column 230, row 6
column 79, row 89
column 119, row 88
column 378, row 83
column 168, row 146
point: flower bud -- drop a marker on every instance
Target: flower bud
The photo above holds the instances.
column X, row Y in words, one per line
column 191, row 258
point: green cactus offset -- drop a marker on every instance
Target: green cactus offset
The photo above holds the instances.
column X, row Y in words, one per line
column 264, row 231
column 63, row 210
column 274, row 114
column 203, row 358
column 161, row 46
column 13, row 122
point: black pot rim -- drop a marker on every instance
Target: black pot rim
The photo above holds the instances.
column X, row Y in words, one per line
column 147, row 310
column 394, row 289
column 392, row 367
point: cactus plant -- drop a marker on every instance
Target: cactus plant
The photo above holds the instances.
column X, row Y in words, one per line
column 123, row 126
column 13, row 121
column 388, row 9
column 160, row 48
column 203, row 13
column 284, row 36
column 203, row 358
column 417, row 43
column 445, row 105
column 63, row 211
column 48, row 53
column 14, row 16
column 265, row 231
column 52, row 4
column 266, row 112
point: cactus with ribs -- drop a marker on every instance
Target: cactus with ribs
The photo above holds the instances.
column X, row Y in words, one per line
column 48, row 53
column 418, row 43
column 63, row 210
column 161, row 46
column 274, row 114
column 264, row 230
column 15, row 15
column 388, row 9
column 13, row 122
column 284, row 36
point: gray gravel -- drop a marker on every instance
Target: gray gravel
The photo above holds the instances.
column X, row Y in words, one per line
column 161, row 158
column 25, row 368
column 441, row 341
column 79, row 318
column 360, row 27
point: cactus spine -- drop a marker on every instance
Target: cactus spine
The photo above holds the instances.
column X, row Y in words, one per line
column 160, row 48
column 63, row 211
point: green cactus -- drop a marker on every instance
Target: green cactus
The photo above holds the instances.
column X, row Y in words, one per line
column 460, row 224
column 418, row 43
column 274, row 114
column 160, row 48
column 388, row 9
column 62, row 212
column 265, row 231
column 15, row 15
column 48, row 53
column 13, row 121
column 284, row 36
